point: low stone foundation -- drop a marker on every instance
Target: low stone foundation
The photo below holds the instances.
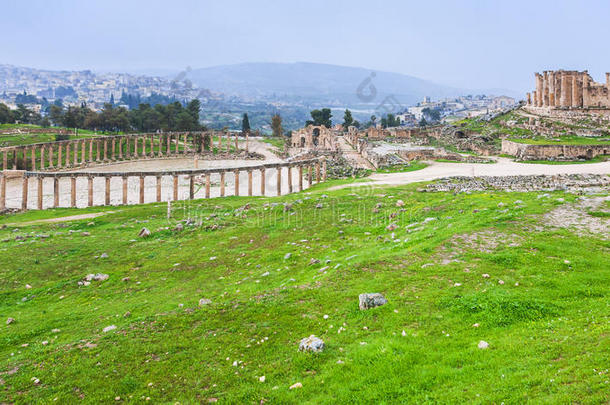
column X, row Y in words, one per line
column 523, row 151
column 566, row 182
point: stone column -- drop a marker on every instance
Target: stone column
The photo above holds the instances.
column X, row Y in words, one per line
column 51, row 156
column 107, row 190
column 98, row 150
column 564, row 90
column 113, row 153
column 300, row 178
column 279, row 180
column 2, row 192
column 160, row 151
column 290, row 179
column 236, row 176
column 121, row 148
column 545, row 89
column 83, row 154
column 141, row 189
column 250, row 182
column 158, row 188
column 262, row 181
column 72, row 191
column 90, row 190
column 538, row 90
column 33, row 157
column 135, row 146
column 309, row 175
column 222, row 184
column 191, row 187
column 90, row 150
column 75, row 153
column 324, row 170
column 576, row 90
column 236, row 143
column 317, row 172
column 55, row 192
column 184, row 151
column 168, row 145
column 248, row 142
column 67, row 162
column 42, row 157
column 608, row 86
column 207, row 185
column 5, row 161
column 176, row 187
column 529, row 98
column 125, row 190
column 39, row 194
column 105, row 150
column 24, row 193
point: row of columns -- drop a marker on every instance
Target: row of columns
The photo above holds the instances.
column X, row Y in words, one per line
column 317, row 170
column 568, row 89
column 79, row 152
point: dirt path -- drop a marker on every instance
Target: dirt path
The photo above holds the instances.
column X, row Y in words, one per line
column 504, row 167
column 63, row 219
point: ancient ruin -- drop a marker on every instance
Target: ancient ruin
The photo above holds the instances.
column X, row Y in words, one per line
column 314, row 137
column 569, row 89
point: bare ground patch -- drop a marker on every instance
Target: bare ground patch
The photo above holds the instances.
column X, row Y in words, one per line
column 577, row 216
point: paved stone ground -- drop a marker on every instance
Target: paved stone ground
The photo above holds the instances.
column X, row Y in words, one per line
column 503, row 167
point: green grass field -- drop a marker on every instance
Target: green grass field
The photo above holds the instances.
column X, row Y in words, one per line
column 544, row 309
column 564, row 140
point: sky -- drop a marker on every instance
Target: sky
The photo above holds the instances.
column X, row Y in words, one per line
column 466, row 43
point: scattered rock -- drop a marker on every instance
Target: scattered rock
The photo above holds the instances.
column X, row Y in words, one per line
column 485, row 275
column 371, row 300
column 311, row 344
column 10, row 320
column 320, row 205
column 296, row 385
column 483, row 345
column 287, row 256
column 109, row 328
column 104, row 256
column 391, row 227
column 204, row 302
column 96, row 277
column 144, row 232
column 261, row 378
column 400, row 203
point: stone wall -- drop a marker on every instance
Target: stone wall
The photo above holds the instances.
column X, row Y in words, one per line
column 524, row 151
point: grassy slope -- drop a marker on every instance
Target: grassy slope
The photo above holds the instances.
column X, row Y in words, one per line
column 564, row 140
column 548, row 336
column 28, row 139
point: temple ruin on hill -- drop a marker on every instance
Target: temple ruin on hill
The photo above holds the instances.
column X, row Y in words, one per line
column 569, row 89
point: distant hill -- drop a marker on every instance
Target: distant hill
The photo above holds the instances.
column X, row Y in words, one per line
column 314, row 83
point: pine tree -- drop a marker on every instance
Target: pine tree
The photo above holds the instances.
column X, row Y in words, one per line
column 245, row 124
column 348, row 120
column 276, row 125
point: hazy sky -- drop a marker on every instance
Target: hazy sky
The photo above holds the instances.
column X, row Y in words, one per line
column 466, row 43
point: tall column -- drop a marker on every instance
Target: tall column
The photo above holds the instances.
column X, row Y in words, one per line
column 125, row 190
column 33, row 157
column 262, row 181
column 83, row 152
column 75, row 160
column 55, row 192
column 121, row 148
column 141, row 189
column 2, row 192
column 91, row 150
column 90, row 191
column 236, row 180
column 290, row 179
column 564, row 90
column 576, row 90
column 98, row 147
column 585, row 89
column 309, row 175
column 323, row 169
column 250, row 182
column 113, row 152
column 42, row 157
column 300, row 178
column 72, row 191
column 5, row 160
column 191, row 187
column 107, row 191
column 608, row 87
column 39, row 194
column 538, row 90
column 222, row 184
column 175, row 187
column 24, row 193
column 159, row 186
column 51, row 156
column 545, row 89
column 247, row 142
column 105, row 150
column 279, row 180
column 207, row 185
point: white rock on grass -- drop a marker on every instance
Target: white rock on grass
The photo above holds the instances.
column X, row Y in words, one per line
column 204, row 302
column 96, row 277
column 311, row 344
column 371, row 300
column 109, row 328
column 10, row 320
column 144, row 232
column 483, row 345
column 296, row 385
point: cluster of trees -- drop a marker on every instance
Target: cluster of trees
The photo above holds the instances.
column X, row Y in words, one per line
column 320, row 118
column 145, row 118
